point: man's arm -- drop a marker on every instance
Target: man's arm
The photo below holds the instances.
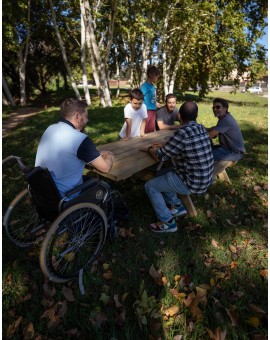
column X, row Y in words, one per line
column 163, row 126
column 128, row 129
column 212, row 132
column 104, row 162
column 142, row 128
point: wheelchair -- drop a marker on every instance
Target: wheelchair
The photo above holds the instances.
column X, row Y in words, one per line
column 72, row 229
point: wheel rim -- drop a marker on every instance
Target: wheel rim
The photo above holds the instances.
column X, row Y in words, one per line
column 22, row 223
column 75, row 243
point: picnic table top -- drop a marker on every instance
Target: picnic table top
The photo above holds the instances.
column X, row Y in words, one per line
column 129, row 159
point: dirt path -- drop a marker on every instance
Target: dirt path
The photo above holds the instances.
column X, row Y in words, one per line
column 17, row 117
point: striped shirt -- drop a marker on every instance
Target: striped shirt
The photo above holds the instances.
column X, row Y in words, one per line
column 190, row 148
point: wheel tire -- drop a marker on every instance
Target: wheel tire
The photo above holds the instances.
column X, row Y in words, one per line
column 73, row 241
column 22, row 224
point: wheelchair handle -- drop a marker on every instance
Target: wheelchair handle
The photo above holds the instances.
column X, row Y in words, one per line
column 22, row 166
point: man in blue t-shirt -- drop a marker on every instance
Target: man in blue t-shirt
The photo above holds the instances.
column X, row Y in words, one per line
column 64, row 148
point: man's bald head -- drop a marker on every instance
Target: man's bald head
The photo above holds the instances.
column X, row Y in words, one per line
column 188, row 111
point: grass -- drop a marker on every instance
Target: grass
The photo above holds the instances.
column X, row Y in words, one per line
column 215, row 261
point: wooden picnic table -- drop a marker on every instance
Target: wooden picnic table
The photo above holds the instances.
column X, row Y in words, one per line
column 128, row 158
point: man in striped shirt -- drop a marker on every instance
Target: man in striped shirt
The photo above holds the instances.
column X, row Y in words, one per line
column 190, row 149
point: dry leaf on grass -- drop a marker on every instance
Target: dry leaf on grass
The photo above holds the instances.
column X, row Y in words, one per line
column 29, row 332
column 68, row 294
column 215, row 243
column 108, row 275
column 219, row 334
column 264, row 273
column 171, row 311
column 156, row 276
column 233, row 316
column 233, row 249
column 116, row 300
column 13, row 327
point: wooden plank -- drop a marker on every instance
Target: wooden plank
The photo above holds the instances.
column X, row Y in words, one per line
column 128, row 158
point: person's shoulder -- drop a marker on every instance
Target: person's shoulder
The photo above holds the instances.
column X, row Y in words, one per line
column 162, row 109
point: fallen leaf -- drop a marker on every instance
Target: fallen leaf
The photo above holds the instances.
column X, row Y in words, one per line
column 49, row 290
column 253, row 321
column 215, row 243
column 117, row 303
column 28, row 332
column 233, row 316
column 219, row 334
column 105, row 266
column 62, row 308
column 104, row 298
column 233, row 249
column 177, row 278
column 264, row 273
column 209, row 213
column 156, row 276
column 124, row 296
column 233, row 265
column 68, row 294
column 257, row 188
column 185, row 280
column 256, row 309
column 171, row 311
column 108, row 275
column 13, row 327
column 212, row 282
column 201, row 294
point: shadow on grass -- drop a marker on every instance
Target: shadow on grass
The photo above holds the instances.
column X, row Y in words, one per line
column 237, row 217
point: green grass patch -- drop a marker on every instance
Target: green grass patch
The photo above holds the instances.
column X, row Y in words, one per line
column 222, row 252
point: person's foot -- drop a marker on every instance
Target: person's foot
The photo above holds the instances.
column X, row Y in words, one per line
column 163, row 227
column 178, row 210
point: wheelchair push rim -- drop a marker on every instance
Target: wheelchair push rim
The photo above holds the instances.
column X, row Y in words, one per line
column 73, row 242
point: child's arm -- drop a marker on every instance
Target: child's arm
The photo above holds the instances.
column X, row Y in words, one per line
column 128, row 129
column 142, row 128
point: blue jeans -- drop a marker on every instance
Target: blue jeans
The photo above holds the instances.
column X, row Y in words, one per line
column 222, row 154
column 162, row 191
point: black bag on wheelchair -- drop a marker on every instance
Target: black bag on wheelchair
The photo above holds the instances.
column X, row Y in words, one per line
column 48, row 200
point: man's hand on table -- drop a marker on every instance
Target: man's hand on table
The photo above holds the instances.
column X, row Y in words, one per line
column 107, row 155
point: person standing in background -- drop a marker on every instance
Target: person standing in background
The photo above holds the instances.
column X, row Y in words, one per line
column 150, row 98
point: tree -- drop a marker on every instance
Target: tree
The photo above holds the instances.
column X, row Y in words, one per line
column 62, row 47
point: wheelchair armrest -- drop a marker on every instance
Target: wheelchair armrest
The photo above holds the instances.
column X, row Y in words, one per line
column 82, row 187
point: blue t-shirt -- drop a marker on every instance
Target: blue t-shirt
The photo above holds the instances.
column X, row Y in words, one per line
column 150, row 98
column 64, row 151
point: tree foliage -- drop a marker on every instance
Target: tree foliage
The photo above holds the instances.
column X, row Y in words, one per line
column 192, row 42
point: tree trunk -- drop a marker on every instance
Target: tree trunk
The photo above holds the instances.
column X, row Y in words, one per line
column 145, row 54
column 83, row 62
column 102, row 83
column 22, row 56
column 117, row 72
column 63, row 51
column 7, row 93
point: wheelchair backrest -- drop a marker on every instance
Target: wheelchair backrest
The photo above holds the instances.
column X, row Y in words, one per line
column 44, row 192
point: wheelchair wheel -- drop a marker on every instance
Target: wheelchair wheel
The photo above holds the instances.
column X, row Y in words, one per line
column 73, row 241
column 21, row 221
